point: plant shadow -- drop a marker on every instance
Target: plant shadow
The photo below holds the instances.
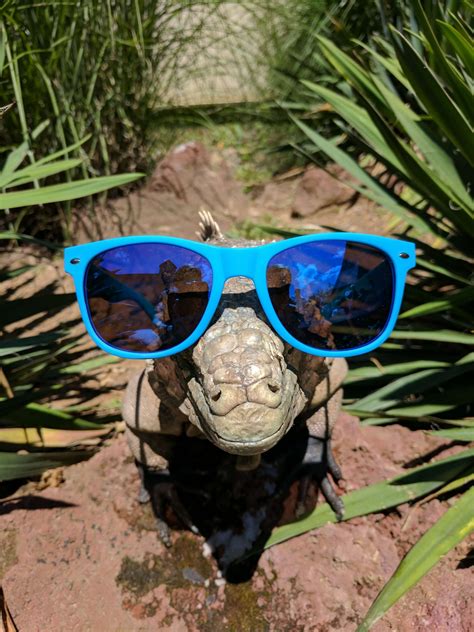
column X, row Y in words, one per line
column 31, row 503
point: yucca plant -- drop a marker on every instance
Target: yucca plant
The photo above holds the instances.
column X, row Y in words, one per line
column 407, row 143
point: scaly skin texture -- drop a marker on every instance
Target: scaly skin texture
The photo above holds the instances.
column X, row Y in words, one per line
column 240, row 386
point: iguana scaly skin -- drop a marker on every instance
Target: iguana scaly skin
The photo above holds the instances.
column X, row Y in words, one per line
column 241, row 387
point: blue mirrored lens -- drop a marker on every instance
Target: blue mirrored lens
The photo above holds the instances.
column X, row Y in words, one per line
column 147, row 297
column 334, row 295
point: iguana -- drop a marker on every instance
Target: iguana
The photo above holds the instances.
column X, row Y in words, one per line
column 240, row 387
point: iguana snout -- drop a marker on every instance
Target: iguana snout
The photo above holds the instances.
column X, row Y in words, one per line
column 245, row 397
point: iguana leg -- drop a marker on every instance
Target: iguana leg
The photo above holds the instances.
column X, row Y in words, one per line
column 319, row 462
column 143, row 494
column 152, row 431
column 162, row 493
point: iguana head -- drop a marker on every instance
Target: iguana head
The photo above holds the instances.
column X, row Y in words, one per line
column 244, row 396
column 240, row 384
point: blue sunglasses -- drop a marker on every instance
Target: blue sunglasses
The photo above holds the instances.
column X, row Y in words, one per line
column 333, row 295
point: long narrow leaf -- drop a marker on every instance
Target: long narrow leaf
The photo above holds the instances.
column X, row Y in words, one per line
column 464, row 297
column 461, row 44
column 396, row 368
column 460, row 481
column 361, row 121
column 461, row 93
column 457, row 434
column 448, row 178
column 9, row 235
column 35, row 172
column 14, row 465
column 371, row 188
column 407, row 487
column 390, row 394
column 455, row 525
column 437, row 102
column 38, row 416
column 350, row 70
column 66, row 191
column 440, row 335
column 14, row 159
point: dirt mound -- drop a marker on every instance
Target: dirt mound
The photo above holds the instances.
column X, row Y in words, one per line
column 188, row 179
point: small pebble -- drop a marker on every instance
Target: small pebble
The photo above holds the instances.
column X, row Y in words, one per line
column 206, row 550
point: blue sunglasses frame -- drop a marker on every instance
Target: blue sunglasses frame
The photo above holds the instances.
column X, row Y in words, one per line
column 247, row 262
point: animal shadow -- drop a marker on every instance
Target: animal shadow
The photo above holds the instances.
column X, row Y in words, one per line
column 235, row 511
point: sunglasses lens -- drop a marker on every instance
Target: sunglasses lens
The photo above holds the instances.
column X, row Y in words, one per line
column 334, row 295
column 147, row 297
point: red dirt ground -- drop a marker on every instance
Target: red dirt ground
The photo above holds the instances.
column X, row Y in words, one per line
column 84, row 556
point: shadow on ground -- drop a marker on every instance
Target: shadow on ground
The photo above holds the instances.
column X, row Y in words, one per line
column 235, row 511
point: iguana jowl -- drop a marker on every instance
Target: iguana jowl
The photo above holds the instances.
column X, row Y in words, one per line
column 241, row 387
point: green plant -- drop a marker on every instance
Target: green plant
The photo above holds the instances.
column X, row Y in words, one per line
column 99, row 68
column 39, row 361
column 293, row 53
column 107, row 75
column 406, row 132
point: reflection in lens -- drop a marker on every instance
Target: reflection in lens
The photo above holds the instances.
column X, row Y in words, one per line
column 332, row 294
column 147, row 297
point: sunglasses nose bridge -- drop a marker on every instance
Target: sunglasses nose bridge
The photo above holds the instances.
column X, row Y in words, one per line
column 239, row 262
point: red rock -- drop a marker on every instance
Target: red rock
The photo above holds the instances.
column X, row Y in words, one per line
column 318, row 190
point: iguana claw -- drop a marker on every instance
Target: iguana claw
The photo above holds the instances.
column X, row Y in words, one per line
column 318, row 461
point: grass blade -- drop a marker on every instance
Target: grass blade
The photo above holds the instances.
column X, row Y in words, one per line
column 438, row 335
column 458, row 482
column 35, row 172
column 461, row 44
column 370, row 188
column 457, row 434
column 66, row 191
column 399, row 368
column 463, row 297
column 394, row 392
column 407, row 487
column 13, row 465
column 39, row 416
column 438, row 103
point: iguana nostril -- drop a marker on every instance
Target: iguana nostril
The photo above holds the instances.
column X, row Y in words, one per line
column 216, row 396
column 273, row 387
